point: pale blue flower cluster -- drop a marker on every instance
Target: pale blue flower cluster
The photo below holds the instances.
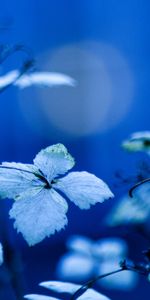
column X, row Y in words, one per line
column 87, row 259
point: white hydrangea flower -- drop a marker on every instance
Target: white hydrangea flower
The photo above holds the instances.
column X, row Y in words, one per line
column 89, row 259
column 39, row 209
column 45, row 79
column 138, row 141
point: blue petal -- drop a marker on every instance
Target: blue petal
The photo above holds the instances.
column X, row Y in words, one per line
column 61, row 287
column 84, row 189
column 80, row 244
column 91, row 294
column 112, row 247
column 47, row 79
column 53, row 161
column 71, row 288
column 39, row 297
column 15, row 178
column 1, row 254
column 76, row 267
column 125, row 280
column 39, row 215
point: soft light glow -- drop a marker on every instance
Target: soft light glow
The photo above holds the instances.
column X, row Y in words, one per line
column 101, row 99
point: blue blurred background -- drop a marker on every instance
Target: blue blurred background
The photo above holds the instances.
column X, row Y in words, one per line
column 105, row 46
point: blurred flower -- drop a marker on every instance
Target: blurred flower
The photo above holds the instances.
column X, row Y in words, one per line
column 9, row 78
column 66, row 287
column 1, row 254
column 138, row 141
column 47, row 79
column 135, row 210
column 88, row 259
column 40, row 210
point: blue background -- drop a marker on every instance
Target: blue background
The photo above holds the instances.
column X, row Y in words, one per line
column 44, row 27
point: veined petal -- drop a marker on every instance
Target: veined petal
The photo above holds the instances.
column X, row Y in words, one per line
column 15, row 178
column 75, row 267
column 84, row 189
column 53, row 161
column 39, row 216
column 39, row 297
column 91, row 294
column 60, row 286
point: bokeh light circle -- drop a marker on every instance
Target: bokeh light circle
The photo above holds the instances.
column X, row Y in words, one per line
column 101, row 99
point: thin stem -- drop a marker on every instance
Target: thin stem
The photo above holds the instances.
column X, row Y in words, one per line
column 28, row 64
column 137, row 185
column 90, row 283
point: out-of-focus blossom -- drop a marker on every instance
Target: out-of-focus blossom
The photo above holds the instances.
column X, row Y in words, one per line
column 71, row 288
column 39, row 210
column 68, row 288
column 138, row 141
column 135, row 210
column 45, row 79
column 39, row 297
column 1, row 254
column 88, row 259
column 9, row 78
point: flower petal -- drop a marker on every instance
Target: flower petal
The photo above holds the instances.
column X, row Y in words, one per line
column 15, row 178
column 47, row 79
column 53, row 161
column 110, row 248
column 91, row 294
column 71, row 288
column 130, row 211
column 80, row 244
column 138, row 141
column 61, row 287
column 39, row 216
column 8, row 78
column 39, row 297
column 84, row 189
column 75, row 267
column 1, row 254
column 125, row 280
